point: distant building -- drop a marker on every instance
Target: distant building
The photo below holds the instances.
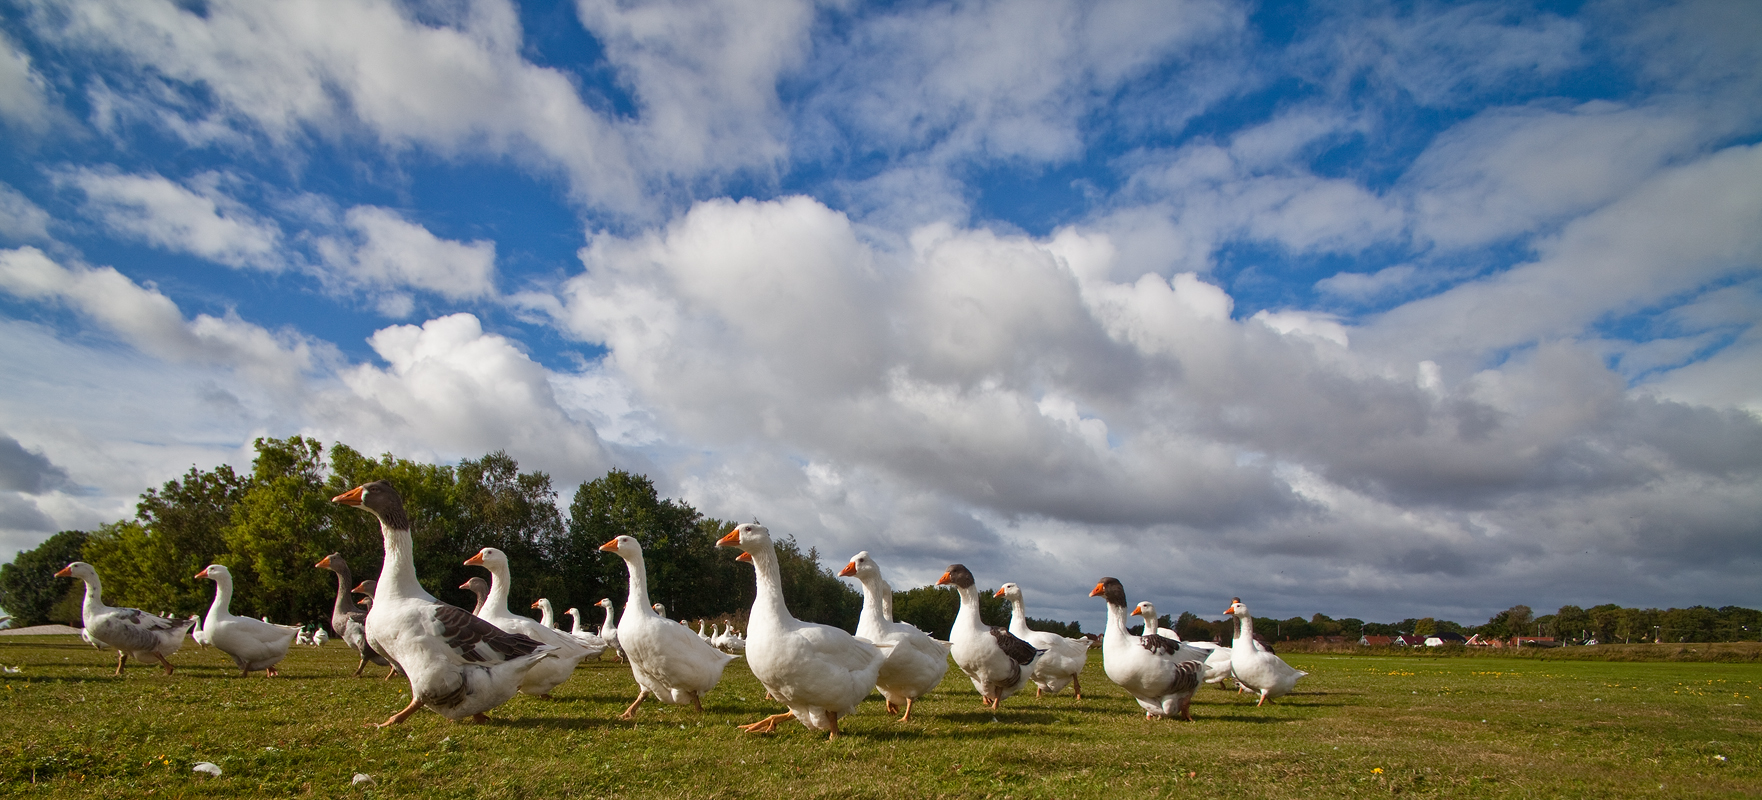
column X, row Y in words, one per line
column 1376, row 641
column 1533, row 641
column 1444, row 638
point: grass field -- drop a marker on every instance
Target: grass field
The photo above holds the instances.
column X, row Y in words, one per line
column 1359, row 726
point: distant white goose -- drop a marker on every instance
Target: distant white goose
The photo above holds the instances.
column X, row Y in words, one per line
column 1064, row 659
column 252, row 644
column 1255, row 667
column 130, row 630
column 916, row 663
column 609, row 629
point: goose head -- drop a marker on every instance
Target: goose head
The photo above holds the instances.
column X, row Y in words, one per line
column 660, row 609
column 957, row 576
column 1111, row 589
column 543, row 604
column 78, row 569
column 749, row 537
column 489, row 558
column 1146, row 610
column 365, row 587
column 380, row 498
column 216, row 573
column 1010, row 591
column 476, row 586
column 860, row 566
column 605, row 602
column 1237, row 608
column 627, row 547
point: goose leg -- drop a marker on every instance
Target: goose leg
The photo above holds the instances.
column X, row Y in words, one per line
column 630, row 713
column 908, row 711
column 1077, row 687
column 390, row 672
column 121, row 658
column 892, row 708
column 480, row 718
column 161, row 657
column 767, row 724
column 1262, row 700
column 415, row 703
column 359, row 667
column 833, row 716
column 697, row 703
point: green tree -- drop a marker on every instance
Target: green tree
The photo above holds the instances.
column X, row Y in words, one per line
column 515, row 512
column 151, row 562
column 29, row 590
column 685, row 573
column 1425, row 627
column 281, row 526
column 432, row 504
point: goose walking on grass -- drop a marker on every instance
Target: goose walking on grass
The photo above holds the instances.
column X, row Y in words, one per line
column 820, row 672
column 1064, row 659
column 916, row 663
column 346, row 618
column 667, row 660
column 1216, row 656
column 997, row 662
column 609, row 630
column 1154, row 670
column 458, row 665
column 252, row 644
column 566, row 651
column 131, row 631
column 1254, row 666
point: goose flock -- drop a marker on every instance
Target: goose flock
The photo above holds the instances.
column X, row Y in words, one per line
column 461, row 664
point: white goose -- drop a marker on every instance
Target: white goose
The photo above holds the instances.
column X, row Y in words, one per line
column 252, row 644
column 1064, row 659
column 916, row 663
column 609, row 629
column 1255, row 667
column 997, row 661
column 546, row 616
column 1217, row 656
column 567, row 651
column 667, row 659
column 820, row 672
column 130, row 630
column 459, row 666
column 196, row 634
column 1157, row 672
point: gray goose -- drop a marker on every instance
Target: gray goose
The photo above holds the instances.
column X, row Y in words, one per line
column 998, row 662
column 348, row 620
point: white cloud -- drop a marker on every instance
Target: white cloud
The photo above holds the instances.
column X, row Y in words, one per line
column 456, row 83
column 21, row 219
column 196, row 218
column 388, row 252
column 450, row 390
column 23, row 93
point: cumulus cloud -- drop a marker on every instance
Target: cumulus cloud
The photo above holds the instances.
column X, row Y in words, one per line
column 21, row 219
column 454, row 81
column 23, row 93
column 27, row 471
column 196, row 218
column 389, row 253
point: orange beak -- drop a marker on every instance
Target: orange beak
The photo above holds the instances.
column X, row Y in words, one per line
column 475, row 560
column 610, row 547
column 999, row 593
column 744, row 556
column 850, row 570
column 465, row 585
column 731, row 540
column 203, row 573
column 944, row 580
column 535, row 604
column 1098, row 591
column 323, row 563
column 361, row 588
column 351, row 497
column 66, row 572
column 1229, row 611
column 1136, row 612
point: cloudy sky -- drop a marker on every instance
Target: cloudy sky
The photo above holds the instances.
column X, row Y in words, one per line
column 1378, row 310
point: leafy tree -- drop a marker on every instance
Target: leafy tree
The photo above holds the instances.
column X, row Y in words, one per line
column 933, row 609
column 151, row 561
column 281, row 526
column 432, row 504
column 685, row 572
column 1072, row 629
column 515, row 512
column 1425, row 627
column 29, row 590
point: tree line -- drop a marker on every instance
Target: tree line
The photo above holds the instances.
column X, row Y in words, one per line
column 270, row 526
column 1608, row 623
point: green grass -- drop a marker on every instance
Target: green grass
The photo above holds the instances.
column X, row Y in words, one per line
column 1359, row 726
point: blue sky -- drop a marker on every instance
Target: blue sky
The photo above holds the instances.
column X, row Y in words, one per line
column 1372, row 309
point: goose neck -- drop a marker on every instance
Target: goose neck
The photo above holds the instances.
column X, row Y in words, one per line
column 94, row 600
column 221, row 608
column 768, row 597
column 397, row 576
column 1018, row 616
column 497, row 600
column 874, row 613
column 345, row 599
column 638, row 599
